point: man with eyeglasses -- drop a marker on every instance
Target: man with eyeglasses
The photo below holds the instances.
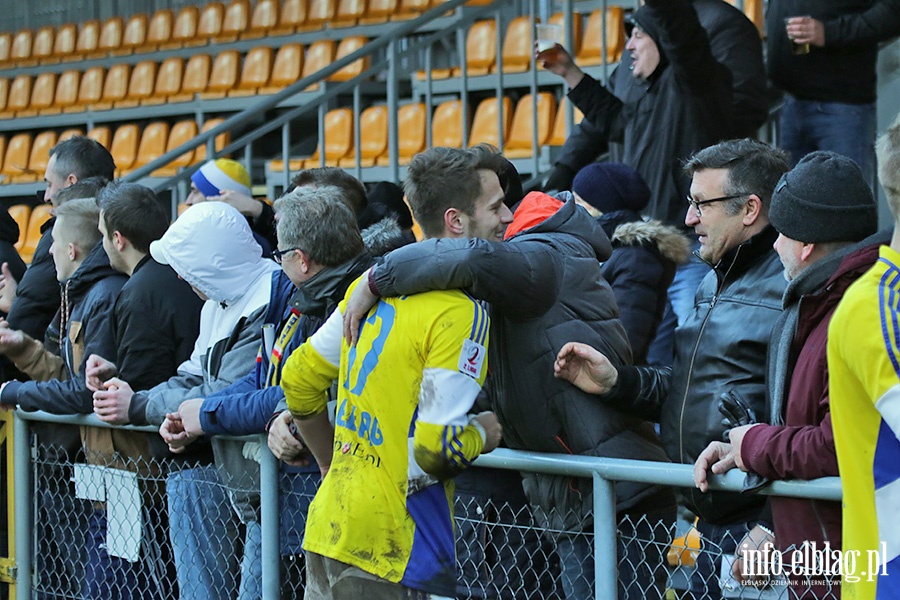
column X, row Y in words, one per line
column 720, row 350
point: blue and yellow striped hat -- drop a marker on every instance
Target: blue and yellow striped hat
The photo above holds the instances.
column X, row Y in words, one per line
column 222, row 174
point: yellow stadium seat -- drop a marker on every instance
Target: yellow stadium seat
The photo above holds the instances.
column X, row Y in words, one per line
column 222, row 140
column 379, row 11
column 20, row 214
column 115, row 87
column 338, row 138
column 224, row 75
column 210, row 24
column 181, row 133
column 124, row 147
column 168, row 81
column 159, row 30
column 263, row 20
column 591, row 49
column 196, row 78
column 2, row 156
column 519, row 144
column 90, row 90
column 484, row 125
column 348, row 46
column 184, row 30
column 235, row 21
column 19, row 96
column 40, row 214
column 286, row 69
column 517, row 46
column 42, row 95
column 38, row 157
column 140, row 85
column 319, row 55
column 42, row 49
column 558, row 137
column 69, row 133
column 134, row 36
column 409, row 9
column 154, row 141
column 447, row 125
column 64, row 44
column 4, row 92
column 110, row 36
column 66, row 91
column 348, row 13
column 21, row 48
column 256, row 72
column 411, row 133
column 481, row 48
column 18, row 152
column 319, row 13
column 577, row 30
column 88, row 38
column 5, row 48
column 373, row 137
column 293, row 16
column 101, row 134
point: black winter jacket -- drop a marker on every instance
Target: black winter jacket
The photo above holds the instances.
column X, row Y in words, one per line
column 684, row 106
column 545, row 289
column 37, row 297
column 9, row 235
column 721, row 348
column 844, row 69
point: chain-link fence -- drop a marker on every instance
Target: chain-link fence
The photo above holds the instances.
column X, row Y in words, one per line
column 179, row 528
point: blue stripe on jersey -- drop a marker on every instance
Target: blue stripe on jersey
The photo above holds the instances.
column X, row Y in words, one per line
column 482, row 333
column 889, row 328
column 886, row 463
column 432, row 559
column 412, row 422
column 889, row 585
column 450, row 435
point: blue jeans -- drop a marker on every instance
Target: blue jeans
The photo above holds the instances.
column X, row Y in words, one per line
column 847, row 129
column 679, row 306
column 715, row 541
column 203, row 529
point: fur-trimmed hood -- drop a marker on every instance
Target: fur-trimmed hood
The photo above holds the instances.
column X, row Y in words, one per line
column 671, row 243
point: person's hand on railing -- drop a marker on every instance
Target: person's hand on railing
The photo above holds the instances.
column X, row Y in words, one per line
column 111, row 403
column 8, row 287
column 558, row 61
column 736, row 437
column 11, row 340
column 173, row 433
column 97, row 370
column 718, row 458
column 189, row 411
column 358, row 305
column 247, row 206
column 492, row 429
column 586, row 368
column 285, row 442
column 761, row 542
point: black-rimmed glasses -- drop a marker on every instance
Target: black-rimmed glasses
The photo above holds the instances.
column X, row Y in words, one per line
column 698, row 203
column 278, row 255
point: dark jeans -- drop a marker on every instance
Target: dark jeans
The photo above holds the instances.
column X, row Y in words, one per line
column 715, row 541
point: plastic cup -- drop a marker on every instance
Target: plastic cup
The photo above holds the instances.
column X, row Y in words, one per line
column 547, row 37
column 796, row 48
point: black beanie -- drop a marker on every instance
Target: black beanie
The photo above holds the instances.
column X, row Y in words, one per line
column 825, row 198
column 609, row 186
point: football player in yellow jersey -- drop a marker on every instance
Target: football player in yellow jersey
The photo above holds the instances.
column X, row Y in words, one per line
column 381, row 524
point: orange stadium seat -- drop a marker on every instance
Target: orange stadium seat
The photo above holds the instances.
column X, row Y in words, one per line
column 159, row 30
column 140, row 85
column 319, row 55
column 19, row 96
column 42, row 49
column 37, row 158
column 754, row 11
column 5, row 47
column 88, row 39
column 520, row 140
column 348, row 46
column 168, row 81
column 64, row 44
column 517, row 45
column 235, row 21
column 319, row 13
column 102, row 135
column 181, row 133
column 222, row 140
column 124, row 147
column 591, row 47
column 264, row 19
column 379, row 11
column 110, row 36
column 373, row 137
column 66, row 92
column 40, row 214
column 481, row 48
column 42, row 95
column 196, row 78
column 134, row 35
column 255, row 73
column 20, row 214
column 338, row 138
column 293, row 16
column 154, row 140
column 2, row 155
column 286, row 69
column 210, row 24
column 224, row 74
column 348, row 13
column 184, row 30
column 558, row 137
column 409, row 9
column 69, row 133
column 484, row 125
column 115, row 87
column 447, row 125
column 577, row 30
column 410, row 133
column 90, row 90
column 4, row 92
column 21, row 48
column 18, row 151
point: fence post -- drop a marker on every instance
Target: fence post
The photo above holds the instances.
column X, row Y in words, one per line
column 269, row 523
column 24, row 498
column 605, row 563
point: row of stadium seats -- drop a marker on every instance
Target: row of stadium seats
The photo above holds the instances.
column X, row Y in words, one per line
column 29, row 221
column 193, row 26
column 446, row 130
column 175, row 80
column 25, row 158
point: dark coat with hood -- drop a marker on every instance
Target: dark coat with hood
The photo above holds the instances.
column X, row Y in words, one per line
column 9, row 235
column 720, row 349
column 640, row 270
column 685, row 105
column 37, row 297
column 545, row 289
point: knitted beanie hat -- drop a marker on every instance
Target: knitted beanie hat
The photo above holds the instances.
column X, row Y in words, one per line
column 824, row 198
column 222, row 174
column 609, row 186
